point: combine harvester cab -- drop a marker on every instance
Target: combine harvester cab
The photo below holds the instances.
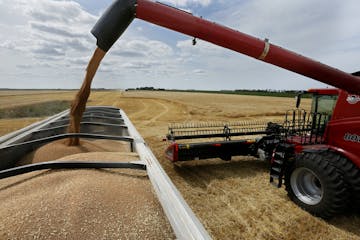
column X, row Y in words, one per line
column 99, row 123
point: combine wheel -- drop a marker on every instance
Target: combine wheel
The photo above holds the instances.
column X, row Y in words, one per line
column 352, row 178
column 316, row 183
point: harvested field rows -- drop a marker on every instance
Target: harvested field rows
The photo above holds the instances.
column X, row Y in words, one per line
column 232, row 199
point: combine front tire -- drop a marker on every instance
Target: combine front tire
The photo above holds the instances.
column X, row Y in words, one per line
column 351, row 177
column 317, row 184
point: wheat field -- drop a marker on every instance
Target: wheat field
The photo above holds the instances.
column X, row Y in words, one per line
column 232, row 199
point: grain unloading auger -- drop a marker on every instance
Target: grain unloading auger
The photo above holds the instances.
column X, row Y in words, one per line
column 118, row 16
column 316, row 153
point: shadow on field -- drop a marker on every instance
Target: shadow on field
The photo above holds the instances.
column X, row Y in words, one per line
column 41, row 109
column 200, row 173
column 349, row 223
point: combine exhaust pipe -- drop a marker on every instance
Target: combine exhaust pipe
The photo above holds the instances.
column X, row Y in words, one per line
column 121, row 13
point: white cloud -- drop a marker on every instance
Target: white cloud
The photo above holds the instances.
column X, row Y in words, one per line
column 199, row 71
column 56, row 34
column 307, row 26
column 48, row 27
column 42, row 38
column 139, row 65
column 320, row 29
column 50, row 39
column 142, row 48
column 185, row 3
column 201, row 47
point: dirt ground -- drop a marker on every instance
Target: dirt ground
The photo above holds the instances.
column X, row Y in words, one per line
column 232, row 199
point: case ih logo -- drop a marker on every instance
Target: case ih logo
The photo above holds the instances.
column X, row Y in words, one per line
column 352, row 137
column 353, row 99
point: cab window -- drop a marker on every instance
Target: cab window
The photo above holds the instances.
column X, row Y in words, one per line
column 324, row 104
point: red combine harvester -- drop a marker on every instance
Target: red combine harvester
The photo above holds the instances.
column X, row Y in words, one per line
column 316, row 153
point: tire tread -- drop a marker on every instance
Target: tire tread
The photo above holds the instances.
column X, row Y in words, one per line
column 337, row 191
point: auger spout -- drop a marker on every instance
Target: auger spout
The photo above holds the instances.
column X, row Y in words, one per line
column 120, row 14
column 113, row 23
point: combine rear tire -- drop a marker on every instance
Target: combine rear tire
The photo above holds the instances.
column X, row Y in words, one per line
column 316, row 183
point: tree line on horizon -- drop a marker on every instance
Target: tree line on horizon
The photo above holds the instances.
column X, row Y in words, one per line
column 256, row 92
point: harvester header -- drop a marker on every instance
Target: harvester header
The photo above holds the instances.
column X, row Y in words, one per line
column 121, row 13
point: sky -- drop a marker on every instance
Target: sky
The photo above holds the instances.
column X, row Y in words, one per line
column 47, row 44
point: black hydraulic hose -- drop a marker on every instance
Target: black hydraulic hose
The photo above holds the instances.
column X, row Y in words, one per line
column 68, row 165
